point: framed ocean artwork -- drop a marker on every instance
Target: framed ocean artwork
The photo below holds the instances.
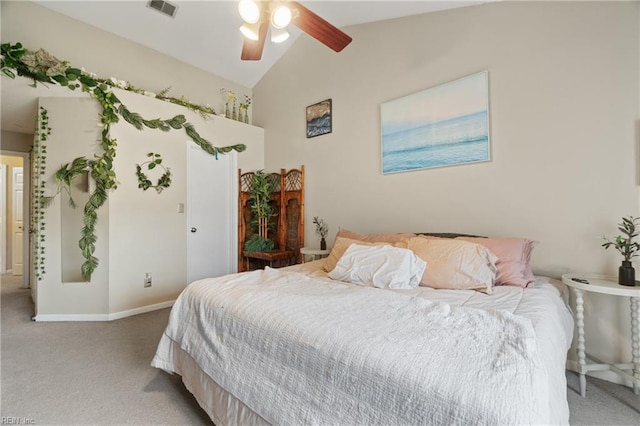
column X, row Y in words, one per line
column 445, row 125
column 319, row 118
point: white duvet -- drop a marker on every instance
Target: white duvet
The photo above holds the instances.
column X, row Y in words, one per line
column 302, row 349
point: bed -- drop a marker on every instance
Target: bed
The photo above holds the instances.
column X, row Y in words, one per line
column 295, row 346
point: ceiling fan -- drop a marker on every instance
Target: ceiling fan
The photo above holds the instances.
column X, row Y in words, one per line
column 260, row 16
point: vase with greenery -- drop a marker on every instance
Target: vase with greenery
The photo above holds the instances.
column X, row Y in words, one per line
column 322, row 229
column 262, row 211
column 245, row 106
column 230, row 98
column 627, row 247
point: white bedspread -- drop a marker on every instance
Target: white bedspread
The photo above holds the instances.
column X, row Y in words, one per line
column 298, row 349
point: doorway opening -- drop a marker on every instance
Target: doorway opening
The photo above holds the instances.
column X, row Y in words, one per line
column 14, row 215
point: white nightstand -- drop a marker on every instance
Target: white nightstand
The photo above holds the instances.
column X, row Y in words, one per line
column 315, row 254
column 605, row 285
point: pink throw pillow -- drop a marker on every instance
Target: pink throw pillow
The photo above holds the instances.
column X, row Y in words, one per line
column 513, row 255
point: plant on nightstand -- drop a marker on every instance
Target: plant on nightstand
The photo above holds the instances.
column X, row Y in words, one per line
column 627, row 247
column 322, row 229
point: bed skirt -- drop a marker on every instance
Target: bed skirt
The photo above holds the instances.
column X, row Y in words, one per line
column 222, row 407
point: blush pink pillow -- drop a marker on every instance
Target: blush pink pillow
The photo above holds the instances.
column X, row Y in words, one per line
column 513, row 255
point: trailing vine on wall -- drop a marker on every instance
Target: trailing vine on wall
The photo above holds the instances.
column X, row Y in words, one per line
column 41, row 67
column 42, row 133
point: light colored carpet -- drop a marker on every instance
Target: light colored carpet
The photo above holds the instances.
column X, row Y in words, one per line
column 98, row 373
column 605, row 404
column 87, row 373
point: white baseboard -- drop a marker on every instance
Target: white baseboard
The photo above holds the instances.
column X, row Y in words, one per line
column 102, row 317
column 141, row 310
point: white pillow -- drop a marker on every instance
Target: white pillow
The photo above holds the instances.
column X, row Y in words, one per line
column 379, row 266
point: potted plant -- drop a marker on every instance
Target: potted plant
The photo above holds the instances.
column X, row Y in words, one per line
column 628, row 249
column 263, row 211
column 322, row 229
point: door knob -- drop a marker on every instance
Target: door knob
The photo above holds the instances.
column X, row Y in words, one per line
column 194, row 229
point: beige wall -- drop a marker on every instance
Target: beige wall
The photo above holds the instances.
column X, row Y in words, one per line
column 12, row 141
column 146, row 233
column 109, row 55
column 564, row 102
column 75, row 131
column 137, row 231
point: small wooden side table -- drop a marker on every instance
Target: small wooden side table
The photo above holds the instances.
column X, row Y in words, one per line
column 315, row 254
column 273, row 259
column 580, row 283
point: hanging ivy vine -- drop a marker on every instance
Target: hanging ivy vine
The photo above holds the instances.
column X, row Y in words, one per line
column 42, row 133
column 41, row 67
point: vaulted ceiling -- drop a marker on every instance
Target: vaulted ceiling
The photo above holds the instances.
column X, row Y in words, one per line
column 204, row 34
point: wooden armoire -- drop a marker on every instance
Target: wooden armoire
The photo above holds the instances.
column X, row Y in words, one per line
column 287, row 227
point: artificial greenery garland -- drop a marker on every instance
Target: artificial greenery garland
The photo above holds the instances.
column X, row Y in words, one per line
column 41, row 67
column 144, row 182
column 42, row 133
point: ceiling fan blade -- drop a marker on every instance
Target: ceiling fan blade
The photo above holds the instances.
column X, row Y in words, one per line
column 252, row 49
column 318, row 28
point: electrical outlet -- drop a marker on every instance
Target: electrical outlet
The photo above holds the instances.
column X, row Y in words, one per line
column 147, row 279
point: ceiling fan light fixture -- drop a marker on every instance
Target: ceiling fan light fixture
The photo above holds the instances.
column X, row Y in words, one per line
column 249, row 11
column 278, row 35
column 250, row 31
column 280, row 16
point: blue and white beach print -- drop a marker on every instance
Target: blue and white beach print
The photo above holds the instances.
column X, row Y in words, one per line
column 441, row 126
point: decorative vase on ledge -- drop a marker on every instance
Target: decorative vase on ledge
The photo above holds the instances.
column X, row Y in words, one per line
column 626, row 274
column 323, row 244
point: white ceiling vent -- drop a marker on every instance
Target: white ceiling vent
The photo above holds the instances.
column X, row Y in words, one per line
column 163, row 7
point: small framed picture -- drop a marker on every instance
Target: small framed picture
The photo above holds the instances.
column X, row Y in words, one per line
column 319, row 119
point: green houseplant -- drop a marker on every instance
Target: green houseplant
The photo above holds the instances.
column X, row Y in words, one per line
column 262, row 211
column 627, row 247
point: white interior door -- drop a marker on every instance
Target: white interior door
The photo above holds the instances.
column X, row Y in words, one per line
column 212, row 200
column 17, row 251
